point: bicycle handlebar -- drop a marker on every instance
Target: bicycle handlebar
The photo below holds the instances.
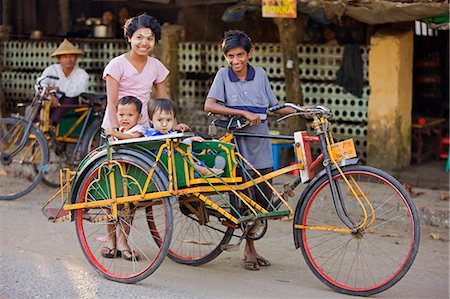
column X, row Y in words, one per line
column 40, row 79
column 304, row 111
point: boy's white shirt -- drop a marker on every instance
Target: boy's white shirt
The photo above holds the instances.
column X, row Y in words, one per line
column 136, row 128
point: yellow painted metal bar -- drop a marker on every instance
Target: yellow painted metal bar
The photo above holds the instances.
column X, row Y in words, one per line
column 185, row 166
column 372, row 220
column 299, row 154
column 74, row 126
column 113, row 194
column 67, row 139
column 251, row 204
column 81, row 109
column 217, row 208
column 265, row 180
column 17, row 135
column 118, row 200
column 214, row 180
column 150, row 173
column 324, row 228
column 363, row 208
column 28, row 150
column 45, row 125
column 228, row 137
column 232, row 171
column 170, row 165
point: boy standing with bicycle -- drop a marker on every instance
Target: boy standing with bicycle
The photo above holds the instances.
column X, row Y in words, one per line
column 244, row 90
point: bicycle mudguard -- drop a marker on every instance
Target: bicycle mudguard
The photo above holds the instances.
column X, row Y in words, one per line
column 93, row 158
column 311, row 183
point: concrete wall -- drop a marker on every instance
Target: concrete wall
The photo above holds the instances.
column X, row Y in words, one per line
column 390, row 100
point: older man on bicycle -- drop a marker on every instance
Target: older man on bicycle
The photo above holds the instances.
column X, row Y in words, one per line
column 72, row 81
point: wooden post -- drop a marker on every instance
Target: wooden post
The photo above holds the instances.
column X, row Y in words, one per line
column 3, row 112
column 7, row 9
column 64, row 12
column 289, row 35
column 172, row 35
column 26, row 16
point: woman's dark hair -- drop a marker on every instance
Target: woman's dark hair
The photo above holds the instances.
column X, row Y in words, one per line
column 236, row 39
column 163, row 105
column 142, row 21
column 127, row 100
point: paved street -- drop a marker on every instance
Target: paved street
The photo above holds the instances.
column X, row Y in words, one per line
column 39, row 259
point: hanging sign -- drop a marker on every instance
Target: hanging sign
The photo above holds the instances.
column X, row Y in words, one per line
column 279, row 9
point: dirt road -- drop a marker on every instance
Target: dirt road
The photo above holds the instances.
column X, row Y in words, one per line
column 40, row 259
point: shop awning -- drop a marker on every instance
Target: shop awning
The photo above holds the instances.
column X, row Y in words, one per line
column 378, row 11
column 366, row 11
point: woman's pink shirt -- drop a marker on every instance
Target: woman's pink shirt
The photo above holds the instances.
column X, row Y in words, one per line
column 133, row 83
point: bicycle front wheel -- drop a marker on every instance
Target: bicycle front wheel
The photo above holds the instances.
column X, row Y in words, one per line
column 132, row 222
column 18, row 164
column 372, row 258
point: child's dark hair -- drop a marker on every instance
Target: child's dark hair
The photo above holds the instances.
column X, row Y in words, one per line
column 236, row 39
column 163, row 105
column 142, row 21
column 127, row 100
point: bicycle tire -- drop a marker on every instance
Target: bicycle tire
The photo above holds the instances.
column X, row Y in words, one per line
column 91, row 233
column 368, row 261
column 92, row 139
column 65, row 159
column 57, row 159
column 195, row 243
column 33, row 154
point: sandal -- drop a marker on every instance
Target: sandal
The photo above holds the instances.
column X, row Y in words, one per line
column 251, row 265
column 262, row 261
column 108, row 252
column 128, row 255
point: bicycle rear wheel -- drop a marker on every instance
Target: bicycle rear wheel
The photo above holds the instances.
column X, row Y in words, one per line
column 18, row 174
column 371, row 259
column 132, row 220
column 199, row 231
column 61, row 155
column 92, row 139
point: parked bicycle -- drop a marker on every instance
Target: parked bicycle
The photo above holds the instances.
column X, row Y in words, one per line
column 31, row 149
column 356, row 225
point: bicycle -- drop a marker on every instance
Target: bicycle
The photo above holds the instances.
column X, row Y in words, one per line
column 31, row 150
column 356, row 226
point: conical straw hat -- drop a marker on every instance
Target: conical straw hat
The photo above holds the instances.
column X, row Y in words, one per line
column 67, row 47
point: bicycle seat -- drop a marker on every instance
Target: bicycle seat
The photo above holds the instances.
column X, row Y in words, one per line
column 93, row 96
column 231, row 122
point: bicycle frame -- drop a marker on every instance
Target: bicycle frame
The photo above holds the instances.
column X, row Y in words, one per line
column 197, row 187
column 85, row 111
column 151, row 181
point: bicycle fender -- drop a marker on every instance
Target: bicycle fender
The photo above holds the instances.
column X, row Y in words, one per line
column 85, row 170
column 310, row 185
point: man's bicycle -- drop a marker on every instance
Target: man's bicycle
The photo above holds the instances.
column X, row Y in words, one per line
column 356, row 225
column 31, row 149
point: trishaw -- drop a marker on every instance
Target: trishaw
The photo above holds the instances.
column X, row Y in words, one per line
column 356, row 226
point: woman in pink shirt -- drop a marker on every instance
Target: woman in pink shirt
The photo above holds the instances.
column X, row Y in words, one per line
column 133, row 74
